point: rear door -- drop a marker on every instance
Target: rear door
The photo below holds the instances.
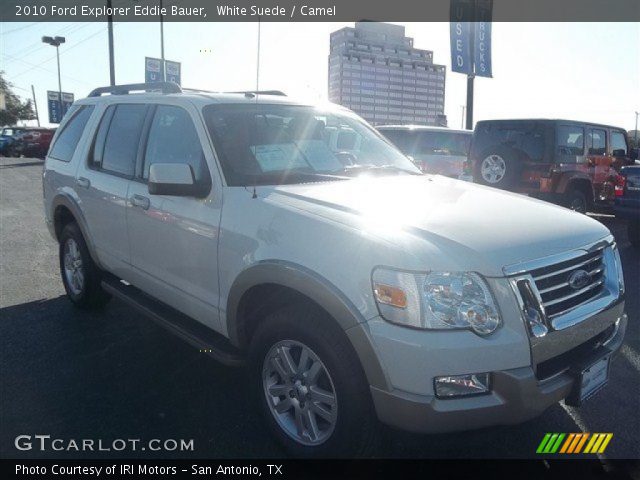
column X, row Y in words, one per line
column 174, row 239
column 599, row 162
column 103, row 183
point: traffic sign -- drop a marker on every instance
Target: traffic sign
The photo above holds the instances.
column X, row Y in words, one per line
column 56, row 109
column 153, row 70
column 173, row 71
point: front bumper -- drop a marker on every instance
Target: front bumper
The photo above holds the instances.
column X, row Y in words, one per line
column 517, row 394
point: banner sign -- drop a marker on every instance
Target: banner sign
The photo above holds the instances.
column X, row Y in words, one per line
column 471, row 41
column 482, row 38
column 153, row 70
column 56, row 109
column 461, row 37
column 173, row 71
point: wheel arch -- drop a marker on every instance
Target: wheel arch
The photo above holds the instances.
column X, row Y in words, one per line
column 267, row 285
column 64, row 209
column 579, row 182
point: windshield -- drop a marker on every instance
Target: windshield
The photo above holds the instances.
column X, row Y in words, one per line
column 266, row 144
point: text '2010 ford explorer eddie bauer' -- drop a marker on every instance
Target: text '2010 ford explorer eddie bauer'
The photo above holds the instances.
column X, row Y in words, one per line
column 355, row 288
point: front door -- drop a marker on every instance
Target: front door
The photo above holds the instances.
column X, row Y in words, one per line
column 174, row 239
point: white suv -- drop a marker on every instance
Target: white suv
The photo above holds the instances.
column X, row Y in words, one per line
column 353, row 287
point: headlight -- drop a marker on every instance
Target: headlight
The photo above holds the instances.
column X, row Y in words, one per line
column 436, row 300
column 618, row 262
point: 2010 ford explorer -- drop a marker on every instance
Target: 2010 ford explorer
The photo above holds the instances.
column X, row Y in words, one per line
column 355, row 288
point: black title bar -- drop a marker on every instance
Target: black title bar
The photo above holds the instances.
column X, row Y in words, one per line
column 311, row 10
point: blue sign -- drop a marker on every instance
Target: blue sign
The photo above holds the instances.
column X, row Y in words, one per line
column 461, row 35
column 56, row 109
column 153, row 70
column 461, row 58
column 173, row 71
column 482, row 44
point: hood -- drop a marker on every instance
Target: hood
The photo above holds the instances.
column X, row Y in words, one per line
column 488, row 228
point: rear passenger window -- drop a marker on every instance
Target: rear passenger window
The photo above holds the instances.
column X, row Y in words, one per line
column 122, row 139
column 571, row 140
column 597, row 142
column 66, row 143
column 618, row 142
column 173, row 139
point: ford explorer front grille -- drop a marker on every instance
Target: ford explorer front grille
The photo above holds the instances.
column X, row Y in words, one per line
column 569, row 284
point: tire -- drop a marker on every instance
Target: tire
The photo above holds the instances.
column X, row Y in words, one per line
column 80, row 275
column 351, row 427
column 577, row 201
column 633, row 232
column 497, row 167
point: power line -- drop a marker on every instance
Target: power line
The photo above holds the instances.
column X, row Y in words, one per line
column 37, row 46
column 20, row 28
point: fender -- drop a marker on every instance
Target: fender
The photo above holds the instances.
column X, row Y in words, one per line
column 322, row 292
column 67, row 200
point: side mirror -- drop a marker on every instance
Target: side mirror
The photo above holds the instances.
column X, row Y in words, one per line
column 634, row 154
column 173, row 179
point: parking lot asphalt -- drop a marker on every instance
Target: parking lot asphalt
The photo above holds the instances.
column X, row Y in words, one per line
column 116, row 375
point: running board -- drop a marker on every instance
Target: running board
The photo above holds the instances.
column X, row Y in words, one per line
column 203, row 338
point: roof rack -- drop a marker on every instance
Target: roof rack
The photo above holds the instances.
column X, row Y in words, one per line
column 164, row 87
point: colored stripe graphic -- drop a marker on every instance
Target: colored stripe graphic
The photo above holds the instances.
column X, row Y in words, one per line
column 574, row 443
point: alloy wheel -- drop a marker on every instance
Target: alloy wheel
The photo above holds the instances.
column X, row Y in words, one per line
column 300, row 392
column 73, row 268
column 493, row 168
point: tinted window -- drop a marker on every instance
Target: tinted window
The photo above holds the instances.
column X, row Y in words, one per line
column 597, row 142
column 173, row 139
column 405, row 140
column 67, row 141
column 618, row 142
column 443, row 143
column 570, row 140
column 121, row 144
column 527, row 138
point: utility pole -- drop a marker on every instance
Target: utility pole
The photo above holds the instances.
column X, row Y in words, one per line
column 112, row 67
column 635, row 132
column 164, row 73
column 35, row 104
column 462, row 118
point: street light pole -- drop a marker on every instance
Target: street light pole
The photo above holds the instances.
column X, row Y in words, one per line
column 164, row 67
column 635, row 132
column 112, row 68
column 56, row 42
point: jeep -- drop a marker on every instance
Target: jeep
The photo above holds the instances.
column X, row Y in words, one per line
column 569, row 163
column 356, row 290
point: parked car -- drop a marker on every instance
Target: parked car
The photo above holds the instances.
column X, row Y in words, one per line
column 627, row 203
column 570, row 163
column 32, row 142
column 7, row 138
column 435, row 150
column 354, row 287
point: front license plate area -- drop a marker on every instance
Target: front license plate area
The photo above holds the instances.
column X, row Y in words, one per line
column 589, row 380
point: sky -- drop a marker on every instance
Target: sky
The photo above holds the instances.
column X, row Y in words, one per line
column 581, row 71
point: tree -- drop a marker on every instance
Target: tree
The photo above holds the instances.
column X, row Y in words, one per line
column 13, row 109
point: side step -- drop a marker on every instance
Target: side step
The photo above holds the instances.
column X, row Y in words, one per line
column 191, row 331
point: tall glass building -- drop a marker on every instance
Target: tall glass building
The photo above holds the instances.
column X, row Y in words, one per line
column 375, row 71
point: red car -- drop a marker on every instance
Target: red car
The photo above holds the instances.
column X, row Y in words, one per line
column 32, row 142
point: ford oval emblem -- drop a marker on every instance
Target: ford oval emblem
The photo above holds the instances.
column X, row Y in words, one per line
column 579, row 279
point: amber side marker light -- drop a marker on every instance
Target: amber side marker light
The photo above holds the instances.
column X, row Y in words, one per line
column 389, row 295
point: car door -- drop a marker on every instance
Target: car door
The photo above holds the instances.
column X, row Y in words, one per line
column 103, row 182
column 174, row 239
column 599, row 162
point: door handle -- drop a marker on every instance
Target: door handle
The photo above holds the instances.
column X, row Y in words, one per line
column 140, row 201
column 83, row 182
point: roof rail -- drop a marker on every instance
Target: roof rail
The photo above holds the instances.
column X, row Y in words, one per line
column 164, row 87
column 262, row 92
